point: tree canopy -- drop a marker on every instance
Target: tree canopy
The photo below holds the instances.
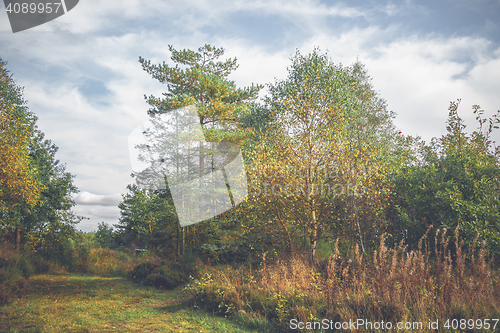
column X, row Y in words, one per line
column 456, row 183
column 324, row 162
column 203, row 81
column 17, row 174
column 319, row 163
column 35, row 189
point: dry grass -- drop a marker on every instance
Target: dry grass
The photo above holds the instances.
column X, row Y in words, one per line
column 406, row 286
column 104, row 261
column 395, row 285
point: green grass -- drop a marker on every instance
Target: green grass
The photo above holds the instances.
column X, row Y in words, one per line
column 86, row 303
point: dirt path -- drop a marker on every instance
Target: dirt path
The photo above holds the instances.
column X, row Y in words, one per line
column 84, row 303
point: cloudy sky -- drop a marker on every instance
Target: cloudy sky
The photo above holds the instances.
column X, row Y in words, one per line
column 83, row 80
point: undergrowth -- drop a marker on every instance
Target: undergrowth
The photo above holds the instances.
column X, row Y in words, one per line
column 17, row 266
column 164, row 274
column 395, row 285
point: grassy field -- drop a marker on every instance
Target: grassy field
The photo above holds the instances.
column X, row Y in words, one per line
column 87, row 303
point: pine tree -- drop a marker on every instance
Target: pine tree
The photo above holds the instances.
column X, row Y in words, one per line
column 203, row 83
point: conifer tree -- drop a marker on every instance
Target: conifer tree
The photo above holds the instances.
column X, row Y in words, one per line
column 204, row 83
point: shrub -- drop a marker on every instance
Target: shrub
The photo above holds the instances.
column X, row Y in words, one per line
column 166, row 275
column 15, row 270
column 9, row 278
column 105, row 261
column 141, row 271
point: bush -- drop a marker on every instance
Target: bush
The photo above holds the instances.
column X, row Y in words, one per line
column 74, row 257
column 105, row 261
column 41, row 265
column 166, row 275
column 15, row 270
column 141, row 271
column 9, row 278
column 82, row 257
column 224, row 254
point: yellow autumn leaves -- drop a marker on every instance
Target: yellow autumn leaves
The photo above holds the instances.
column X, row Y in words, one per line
column 18, row 181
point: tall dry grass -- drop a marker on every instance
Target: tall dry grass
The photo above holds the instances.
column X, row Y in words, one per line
column 440, row 280
column 104, row 261
column 406, row 286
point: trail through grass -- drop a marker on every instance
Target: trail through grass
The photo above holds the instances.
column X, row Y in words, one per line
column 85, row 303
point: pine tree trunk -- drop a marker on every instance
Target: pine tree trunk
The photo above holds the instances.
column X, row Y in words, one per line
column 194, row 235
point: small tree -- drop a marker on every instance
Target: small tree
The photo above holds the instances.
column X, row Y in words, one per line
column 19, row 185
column 323, row 150
column 149, row 216
column 104, row 235
column 455, row 184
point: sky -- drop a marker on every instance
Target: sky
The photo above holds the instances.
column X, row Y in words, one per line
column 82, row 78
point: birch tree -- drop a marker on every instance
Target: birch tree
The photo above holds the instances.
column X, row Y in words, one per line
column 317, row 153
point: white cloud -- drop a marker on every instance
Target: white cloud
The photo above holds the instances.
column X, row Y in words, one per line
column 256, row 64
column 94, row 16
column 418, row 77
column 420, row 74
column 96, row 215
column 96, row 208
column 297, row 8
column 87, row 198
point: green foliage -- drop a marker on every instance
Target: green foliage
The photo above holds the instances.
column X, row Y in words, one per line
column 203, row 82
column 12, row 94
column 104, row 235
column 56, row 199
column 49, row 203
column 88, row 239
column 198, row 79
column 455, row 183
column 166, row 277
column 149, row 216
column 18, row 176
column 59, row 244
column 319, row 168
